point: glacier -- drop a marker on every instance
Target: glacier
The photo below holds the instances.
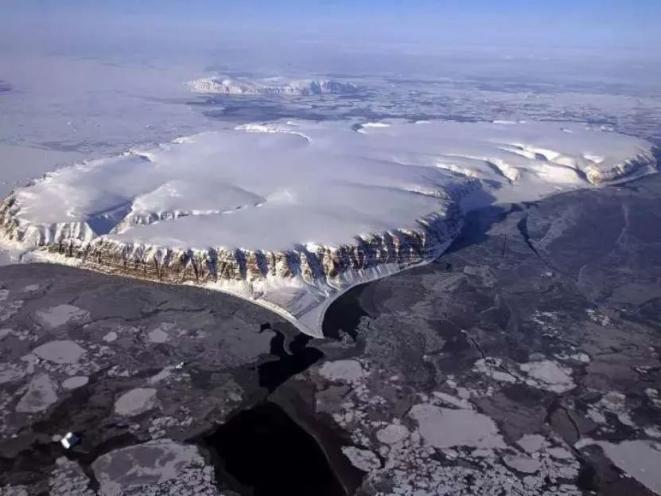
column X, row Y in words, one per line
column 290, row 214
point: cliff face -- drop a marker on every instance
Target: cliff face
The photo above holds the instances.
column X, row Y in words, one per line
column 321, row 264
column 643, row 163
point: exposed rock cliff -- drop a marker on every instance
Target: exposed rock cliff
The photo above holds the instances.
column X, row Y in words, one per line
column 315, row 263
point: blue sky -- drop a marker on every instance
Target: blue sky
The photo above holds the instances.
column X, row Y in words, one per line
column 594, row 24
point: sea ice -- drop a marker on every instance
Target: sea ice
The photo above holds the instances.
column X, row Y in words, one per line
column 136, row 401
column 343, row 370
column 75, row 382
column 60, row 352
column 639, row 458
column 41, row 394
column 150, row 463
column 61, row 314
column 448, row 428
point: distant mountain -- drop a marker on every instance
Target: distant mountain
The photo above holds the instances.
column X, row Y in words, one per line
column 4, row 86
column 271, row 86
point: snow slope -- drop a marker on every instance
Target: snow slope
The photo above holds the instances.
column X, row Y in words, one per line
column 291, row 214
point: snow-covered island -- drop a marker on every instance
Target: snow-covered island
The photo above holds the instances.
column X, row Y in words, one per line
column 226, row 85
column 291, row 214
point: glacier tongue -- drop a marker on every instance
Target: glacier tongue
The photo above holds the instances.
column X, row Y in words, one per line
column 291, row 214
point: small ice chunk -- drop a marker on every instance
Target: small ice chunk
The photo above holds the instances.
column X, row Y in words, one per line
column 653, row 431
column 162, row 375
column 523, row 464
column 362, row 459
column 39, row 396
column 392, row 434
column 560, row 453
column 343, row 370
column 136, row 401
column 60, row 352
column 492, row 367
column 547, row 374
column 61, row 314
column 75, row 382
column 531, row 443
column 447, row 428
column 448, row 399
column 158, row 336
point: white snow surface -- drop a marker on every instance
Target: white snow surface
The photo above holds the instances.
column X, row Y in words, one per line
column 280, row 185
column 226, row 85
column 319, row 183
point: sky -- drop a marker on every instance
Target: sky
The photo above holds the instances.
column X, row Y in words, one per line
column 587, row 40
column 557, row 24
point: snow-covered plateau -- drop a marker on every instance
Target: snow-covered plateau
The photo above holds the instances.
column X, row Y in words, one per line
column 291, row 214
column 271, row 86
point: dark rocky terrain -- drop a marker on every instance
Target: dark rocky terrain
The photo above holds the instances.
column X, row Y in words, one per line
column 526, row 360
